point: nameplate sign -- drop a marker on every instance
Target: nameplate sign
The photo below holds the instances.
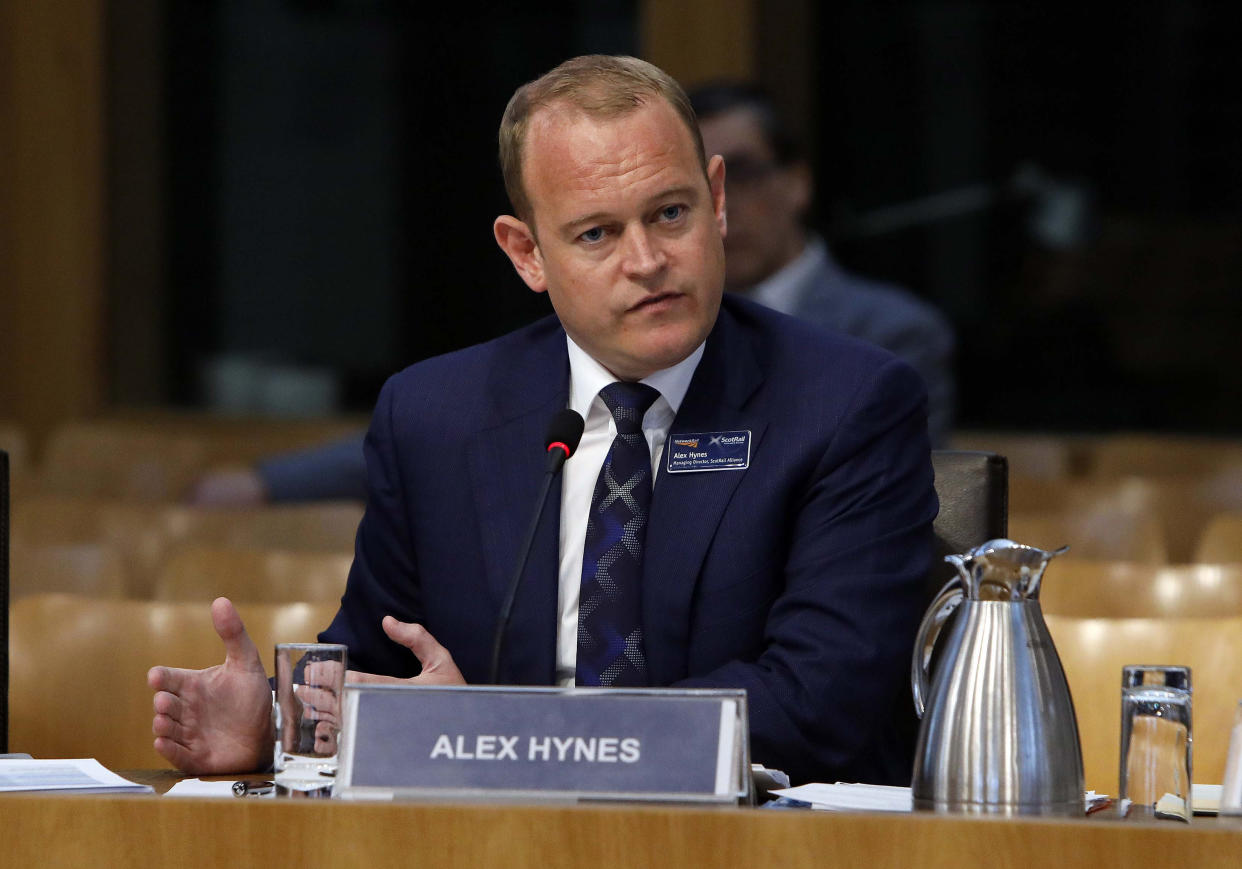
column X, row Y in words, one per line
column 553, row 743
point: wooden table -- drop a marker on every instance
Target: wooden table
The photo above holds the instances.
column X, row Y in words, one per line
column 47, row 830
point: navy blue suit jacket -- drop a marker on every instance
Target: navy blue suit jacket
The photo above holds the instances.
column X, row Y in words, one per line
column 798, row 579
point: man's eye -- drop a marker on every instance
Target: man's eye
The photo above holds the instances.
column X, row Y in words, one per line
column 592, row 235
column 672, row 212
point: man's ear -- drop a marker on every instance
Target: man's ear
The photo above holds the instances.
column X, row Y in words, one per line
column 716, row 183
column 518, row 242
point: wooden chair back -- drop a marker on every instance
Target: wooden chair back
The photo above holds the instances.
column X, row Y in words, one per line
column 79, row 667
column 1102, row 535
column 204, row 573
column 322, row 526
column 1093, row 651
column 88, row 569
column 145, row 535
column 106, row 460
column 232, row 439
column 1221, row 542
column 1146, row 455
column 1039, row 456
column 1119, row 589
column 1182, row 504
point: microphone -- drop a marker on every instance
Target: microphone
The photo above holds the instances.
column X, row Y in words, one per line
column 564, row 433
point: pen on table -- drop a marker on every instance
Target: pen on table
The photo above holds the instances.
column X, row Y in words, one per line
column 252, row 789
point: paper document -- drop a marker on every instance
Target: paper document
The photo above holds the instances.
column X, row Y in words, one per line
column 81, row 775
column 1205, row 799
column 851, row 797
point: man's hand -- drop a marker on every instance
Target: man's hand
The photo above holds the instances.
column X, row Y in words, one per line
column 438, row 666
column 217, row 720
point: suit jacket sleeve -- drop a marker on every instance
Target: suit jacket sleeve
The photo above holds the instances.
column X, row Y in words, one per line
column 828, row 691
column 383, row 579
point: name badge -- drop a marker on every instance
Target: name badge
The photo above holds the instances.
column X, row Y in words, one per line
column 710, row 451
column 550, row 743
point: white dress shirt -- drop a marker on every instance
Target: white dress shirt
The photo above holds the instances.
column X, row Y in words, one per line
column 782, row 290
column 586, row 378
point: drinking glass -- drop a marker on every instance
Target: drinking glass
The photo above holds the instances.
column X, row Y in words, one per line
column 1155, row 742
column 310, row 684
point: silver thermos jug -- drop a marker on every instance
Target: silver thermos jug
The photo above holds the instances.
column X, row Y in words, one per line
column 998, row 735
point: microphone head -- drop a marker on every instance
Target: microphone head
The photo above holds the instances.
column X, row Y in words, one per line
column 565, row 431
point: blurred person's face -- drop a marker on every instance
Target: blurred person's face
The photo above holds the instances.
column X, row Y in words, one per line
column 766, row 200
column 625, row 234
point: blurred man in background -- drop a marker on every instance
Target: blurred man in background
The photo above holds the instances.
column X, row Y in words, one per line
column 770, row 255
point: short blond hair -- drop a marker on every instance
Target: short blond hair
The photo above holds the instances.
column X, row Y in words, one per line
column 600, row 86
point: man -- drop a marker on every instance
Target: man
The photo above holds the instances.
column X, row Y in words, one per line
column 772, row 259
column 796, row 577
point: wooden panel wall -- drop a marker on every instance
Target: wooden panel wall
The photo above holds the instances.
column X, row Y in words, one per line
column 51, row 210
column 695, row 41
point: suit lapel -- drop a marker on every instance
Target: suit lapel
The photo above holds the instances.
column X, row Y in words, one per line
column 686, row 508
column 507, row 464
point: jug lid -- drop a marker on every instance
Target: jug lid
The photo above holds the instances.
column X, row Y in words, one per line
column 1003, row 570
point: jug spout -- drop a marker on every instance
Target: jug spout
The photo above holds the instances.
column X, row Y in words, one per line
column 1003, row 570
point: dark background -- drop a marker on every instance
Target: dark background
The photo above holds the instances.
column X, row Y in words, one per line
column 331, row 183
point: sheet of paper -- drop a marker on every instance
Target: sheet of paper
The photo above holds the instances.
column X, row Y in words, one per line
column 1205, row 799
column 81, row 775
column 851, row 797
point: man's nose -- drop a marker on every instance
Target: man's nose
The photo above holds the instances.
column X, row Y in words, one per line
column 643, row 256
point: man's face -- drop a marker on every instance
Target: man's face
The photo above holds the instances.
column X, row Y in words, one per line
column 766, row 200
column 625, row 235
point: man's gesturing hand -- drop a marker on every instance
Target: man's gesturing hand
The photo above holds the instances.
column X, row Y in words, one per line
column 438, row 666
column 217, row 720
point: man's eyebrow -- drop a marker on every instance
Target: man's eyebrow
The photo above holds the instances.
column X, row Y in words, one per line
column 681, row 191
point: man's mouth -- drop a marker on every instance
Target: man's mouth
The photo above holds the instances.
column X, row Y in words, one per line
column 654, row 300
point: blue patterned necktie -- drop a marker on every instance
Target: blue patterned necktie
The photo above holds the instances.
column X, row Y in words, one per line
column 610, row 632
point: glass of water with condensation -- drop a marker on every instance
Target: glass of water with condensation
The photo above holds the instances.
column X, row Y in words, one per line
column 310, row 684
column 1155, row 742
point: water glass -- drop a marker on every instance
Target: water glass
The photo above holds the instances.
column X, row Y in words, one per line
column 1155, row 742
column 310, row 685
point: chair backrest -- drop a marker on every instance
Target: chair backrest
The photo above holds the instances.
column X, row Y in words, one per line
column 79, row 667
column 1181, row 503
column 1221, row 542
column 88, row 569
column 4, row 601
column 1121, row 589
column 1158, row 455
column 1097, row 534
column 1093, row 651
column 146, row 535
column 109, row 460
column 324, row 526
column 1041, row 456
column 204, row 573
column 973, row 488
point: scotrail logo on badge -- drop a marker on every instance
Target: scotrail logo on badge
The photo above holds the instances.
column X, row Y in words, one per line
column 709, row 451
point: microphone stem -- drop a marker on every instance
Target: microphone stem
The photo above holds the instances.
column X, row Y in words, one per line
column 556, row 458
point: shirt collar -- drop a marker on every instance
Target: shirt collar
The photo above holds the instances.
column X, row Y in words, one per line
column 587, row 377
column 780, row 291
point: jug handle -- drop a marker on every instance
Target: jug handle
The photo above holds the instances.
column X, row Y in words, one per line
column 945, row 604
